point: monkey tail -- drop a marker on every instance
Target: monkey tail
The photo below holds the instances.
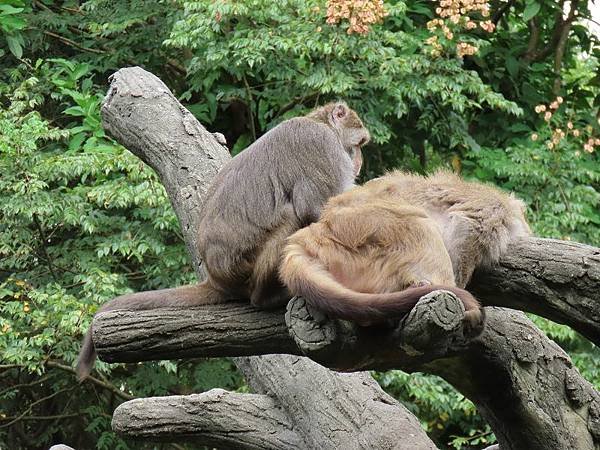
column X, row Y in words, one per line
column 308, row 277
column 201, row 294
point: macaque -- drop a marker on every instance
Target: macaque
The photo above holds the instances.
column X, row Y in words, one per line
column 260, row 197
column 477, row 221
column 378, row 248
column 370, row 258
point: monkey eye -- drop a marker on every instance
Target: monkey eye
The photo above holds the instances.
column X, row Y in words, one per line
column 362, row 142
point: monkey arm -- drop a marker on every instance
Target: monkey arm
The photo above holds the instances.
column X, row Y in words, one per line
column 307, row 210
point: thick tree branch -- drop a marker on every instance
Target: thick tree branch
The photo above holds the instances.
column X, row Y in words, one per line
column 215, row 418
column 522, row 383
column 235, row 329
column 558, row 38
column 561, row 45
column 370, row 421
column 141, row 113
column 534, row 39
column 555, row 279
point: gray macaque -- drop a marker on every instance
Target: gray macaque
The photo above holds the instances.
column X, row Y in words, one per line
column 260, row 197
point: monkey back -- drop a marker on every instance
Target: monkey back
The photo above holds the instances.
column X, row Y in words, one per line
column 287, row 175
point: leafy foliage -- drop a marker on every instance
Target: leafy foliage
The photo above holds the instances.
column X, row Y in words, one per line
column 444, row 413
column 386, row 75
column 83, row 220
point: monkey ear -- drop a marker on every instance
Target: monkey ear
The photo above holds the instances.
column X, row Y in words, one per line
column 340, row 110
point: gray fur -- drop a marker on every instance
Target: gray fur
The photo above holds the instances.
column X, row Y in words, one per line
column 300, row 163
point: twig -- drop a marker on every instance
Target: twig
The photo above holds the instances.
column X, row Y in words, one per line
column 10, row 366
column 16, row 386
column 37, row 402
column 71, row 43
column 55, row 417
column 94, row 380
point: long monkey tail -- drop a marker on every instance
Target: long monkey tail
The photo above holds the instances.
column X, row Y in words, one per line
column 201, row 294
column 308, row 277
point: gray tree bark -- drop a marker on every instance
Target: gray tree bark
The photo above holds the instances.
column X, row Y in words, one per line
column 523, row 384
column 214, row 418
column 555, row 279
column 141, row 113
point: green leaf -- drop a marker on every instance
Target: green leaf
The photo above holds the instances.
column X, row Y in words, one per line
column 76, row 141
column 74, row 111
column 81, row 70
column 12, row 23
column 8, row 9
column 531, row 10
column 512, row 64
column 14, row 46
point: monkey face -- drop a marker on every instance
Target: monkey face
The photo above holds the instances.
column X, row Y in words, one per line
column 357, row 159
column 354, row 140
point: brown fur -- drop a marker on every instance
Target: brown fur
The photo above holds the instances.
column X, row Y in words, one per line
column 477, row 221
column 367, row 257
column 260, row 197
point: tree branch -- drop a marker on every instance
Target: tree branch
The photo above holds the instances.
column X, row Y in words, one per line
column 72, row 43
column 521, row 382
column 335, row 410
column 235, row 329
column 534, row 39
column 109, row 387
column 561, row 45
column 499, row 12
column 555, row 279
column 558, row 39
column 216, row 418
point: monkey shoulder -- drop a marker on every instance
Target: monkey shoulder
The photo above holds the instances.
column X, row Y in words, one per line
column 308, row 131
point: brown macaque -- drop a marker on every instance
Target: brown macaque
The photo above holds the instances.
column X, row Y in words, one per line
column 378, row 248
column 260, row 197
column 370, row 258
column 477, row 221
